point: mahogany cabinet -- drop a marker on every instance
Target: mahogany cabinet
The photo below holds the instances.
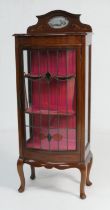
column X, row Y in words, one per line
column 53, row 77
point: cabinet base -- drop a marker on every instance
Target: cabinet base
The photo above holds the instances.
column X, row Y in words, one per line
column 84, row 168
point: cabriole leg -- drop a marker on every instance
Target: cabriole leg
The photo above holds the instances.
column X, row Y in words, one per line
column 32, row 172
column 89, row 165
column 21, row 174
column 83, row 182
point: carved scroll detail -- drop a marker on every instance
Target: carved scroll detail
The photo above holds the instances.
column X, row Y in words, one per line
column 73, row 25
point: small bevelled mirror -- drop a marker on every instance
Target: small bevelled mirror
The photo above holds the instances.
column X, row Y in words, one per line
column 58, row 22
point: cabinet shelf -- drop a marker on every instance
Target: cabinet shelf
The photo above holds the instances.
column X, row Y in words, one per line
column 50, row 112
column 59, row 77
column 32, row 143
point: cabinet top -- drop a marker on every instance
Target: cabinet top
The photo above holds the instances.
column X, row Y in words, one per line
column 57, row 22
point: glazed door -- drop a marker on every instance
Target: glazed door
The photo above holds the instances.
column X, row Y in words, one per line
column 50, row 89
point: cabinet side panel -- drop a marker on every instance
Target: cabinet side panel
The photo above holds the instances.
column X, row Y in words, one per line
column 88, row 94
column 20, row 100
column 86, row 77
column 89, row 98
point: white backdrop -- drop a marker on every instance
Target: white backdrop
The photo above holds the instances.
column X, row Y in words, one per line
column 54, row 189
column 16, row 16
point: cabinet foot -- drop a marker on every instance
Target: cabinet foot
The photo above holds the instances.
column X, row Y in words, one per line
column 82, row 195
column 89, row 165
column 32, row 172
column 21, row 175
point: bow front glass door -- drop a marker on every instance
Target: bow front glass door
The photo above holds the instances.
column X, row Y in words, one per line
column 50, row 98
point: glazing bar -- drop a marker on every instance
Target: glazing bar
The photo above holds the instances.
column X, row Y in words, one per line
column 67, row 98
column 48, row 136
column 58, row 123
column 30, row 95
column 40, row 93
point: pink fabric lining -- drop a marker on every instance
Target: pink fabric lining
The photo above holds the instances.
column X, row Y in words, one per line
column 53, row 97
column 65, row 62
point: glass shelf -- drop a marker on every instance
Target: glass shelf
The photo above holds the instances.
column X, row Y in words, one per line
column 48, row 112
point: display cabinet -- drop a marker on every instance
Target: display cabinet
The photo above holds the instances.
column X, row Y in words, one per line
column 53, row 76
